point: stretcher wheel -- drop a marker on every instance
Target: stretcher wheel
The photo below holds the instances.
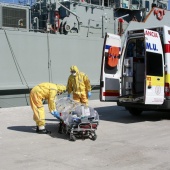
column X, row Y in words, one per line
column 72, row 138
column 94, row 137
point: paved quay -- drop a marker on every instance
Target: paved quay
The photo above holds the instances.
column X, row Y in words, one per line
column 123, row 142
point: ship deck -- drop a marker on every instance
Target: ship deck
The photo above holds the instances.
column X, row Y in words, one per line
column 123, row 142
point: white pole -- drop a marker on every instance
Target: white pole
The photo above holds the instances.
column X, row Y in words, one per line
column 116, row 20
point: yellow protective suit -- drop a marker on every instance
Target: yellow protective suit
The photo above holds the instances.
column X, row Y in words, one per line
column 44, row 91
column 79, row 85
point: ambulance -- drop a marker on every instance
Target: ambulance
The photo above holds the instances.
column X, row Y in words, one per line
column 136, row 74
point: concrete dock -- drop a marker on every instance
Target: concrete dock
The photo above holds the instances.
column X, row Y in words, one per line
column 123, row 142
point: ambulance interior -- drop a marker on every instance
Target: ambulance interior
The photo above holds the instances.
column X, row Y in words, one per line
column 135, row 66
column 133, row 72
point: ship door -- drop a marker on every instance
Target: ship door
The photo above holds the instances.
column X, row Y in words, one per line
column 110, row 71
column 154, row 63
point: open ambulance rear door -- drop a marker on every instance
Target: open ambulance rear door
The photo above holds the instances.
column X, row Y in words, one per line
column 110, row 71
column 167, row 59
column 154, row 63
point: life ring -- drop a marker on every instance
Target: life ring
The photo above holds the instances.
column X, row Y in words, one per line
column 159, row 13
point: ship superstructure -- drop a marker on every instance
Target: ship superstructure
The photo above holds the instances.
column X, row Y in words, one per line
column 40, row 41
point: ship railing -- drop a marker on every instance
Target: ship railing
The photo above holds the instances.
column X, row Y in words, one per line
column 36, row 21
column 92, row 4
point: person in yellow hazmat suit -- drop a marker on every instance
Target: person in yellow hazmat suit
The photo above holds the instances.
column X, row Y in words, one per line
column 79, row 84
column 44, row 91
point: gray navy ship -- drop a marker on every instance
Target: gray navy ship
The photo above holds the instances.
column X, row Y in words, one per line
column 39, row 41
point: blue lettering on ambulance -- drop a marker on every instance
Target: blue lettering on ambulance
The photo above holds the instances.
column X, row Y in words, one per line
column 151, row 46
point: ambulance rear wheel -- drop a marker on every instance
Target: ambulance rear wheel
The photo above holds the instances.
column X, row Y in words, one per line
column 134, row 111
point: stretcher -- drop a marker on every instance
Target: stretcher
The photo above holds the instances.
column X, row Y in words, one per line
column 78, row 121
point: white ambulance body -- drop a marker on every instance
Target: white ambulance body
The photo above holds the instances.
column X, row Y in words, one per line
column 137, row 76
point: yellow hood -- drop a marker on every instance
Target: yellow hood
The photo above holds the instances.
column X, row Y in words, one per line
column 61, row 88
column 74, row 68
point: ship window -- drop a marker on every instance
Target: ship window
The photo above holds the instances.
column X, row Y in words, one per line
column 154, row 65
column 125, row 4
column 12, row 17
column 135, row 2
column 147, row 6
column 96, row 2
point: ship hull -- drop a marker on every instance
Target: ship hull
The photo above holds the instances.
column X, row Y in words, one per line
column 29, row 58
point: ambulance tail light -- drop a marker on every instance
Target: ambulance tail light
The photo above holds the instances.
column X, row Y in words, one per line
column 167, row 89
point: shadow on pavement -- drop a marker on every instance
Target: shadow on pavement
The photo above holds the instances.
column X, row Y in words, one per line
column 53, row 127
column 121, row 115
column 28, row 129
